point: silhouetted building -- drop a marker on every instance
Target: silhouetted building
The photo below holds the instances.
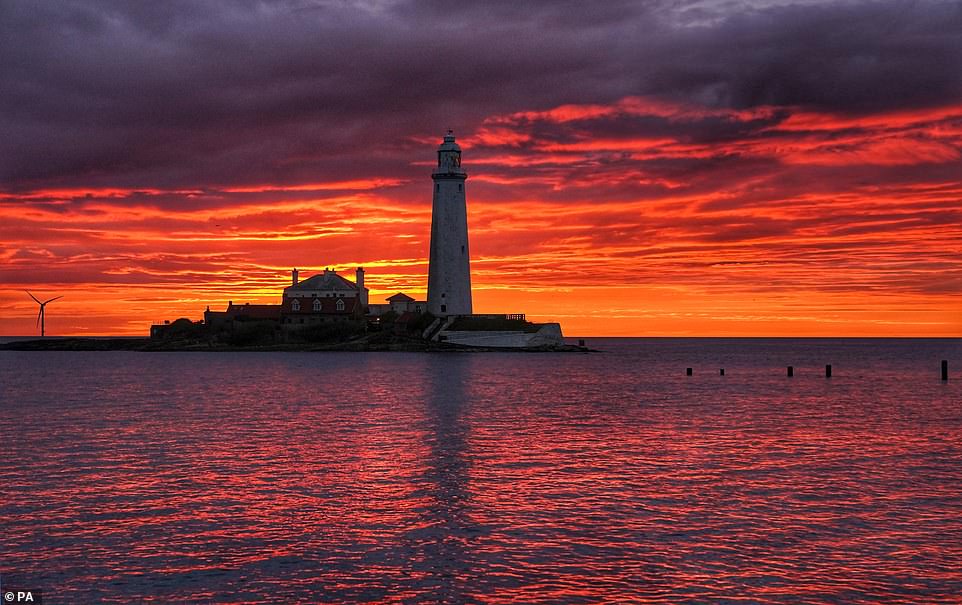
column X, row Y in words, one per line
column 328, row 285
column 322, row 298
column 297, row 311
column 242, row 313
column 399, row 303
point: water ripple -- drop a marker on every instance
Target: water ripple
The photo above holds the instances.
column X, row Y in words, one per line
column 410, row 478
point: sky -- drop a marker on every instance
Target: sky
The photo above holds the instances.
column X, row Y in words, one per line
column 639, row 168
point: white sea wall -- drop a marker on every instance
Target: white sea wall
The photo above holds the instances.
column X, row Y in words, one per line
column 548, row 335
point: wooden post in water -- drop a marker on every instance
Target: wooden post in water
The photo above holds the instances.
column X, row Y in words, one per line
column 791, row 371
column 688, row 371
column 945, row 369
column 828, row 370
column 721, row 372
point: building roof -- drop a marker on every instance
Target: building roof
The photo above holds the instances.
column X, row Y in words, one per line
column 399, row 297
column 250, row 311
column 329, row 280
column 328, row 305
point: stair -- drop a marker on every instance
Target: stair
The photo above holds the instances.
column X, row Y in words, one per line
column 439, row 325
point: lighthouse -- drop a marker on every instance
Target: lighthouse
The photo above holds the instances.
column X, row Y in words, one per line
column 449, row 269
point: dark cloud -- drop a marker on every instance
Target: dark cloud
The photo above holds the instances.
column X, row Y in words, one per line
column 179, row 94
column 853, row 57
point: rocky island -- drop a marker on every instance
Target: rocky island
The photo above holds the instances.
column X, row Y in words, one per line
column 329, row 312
column 186, row 335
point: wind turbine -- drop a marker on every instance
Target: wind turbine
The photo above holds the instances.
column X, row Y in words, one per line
column 43, row 305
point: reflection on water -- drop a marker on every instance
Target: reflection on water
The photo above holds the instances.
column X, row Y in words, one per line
column 487, row 478
column 440, row 545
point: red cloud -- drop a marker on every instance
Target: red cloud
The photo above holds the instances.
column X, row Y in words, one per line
column 670, row 218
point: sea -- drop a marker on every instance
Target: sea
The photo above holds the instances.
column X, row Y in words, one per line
column 603, row 477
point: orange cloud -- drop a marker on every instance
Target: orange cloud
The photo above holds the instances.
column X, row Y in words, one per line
column 641, row 217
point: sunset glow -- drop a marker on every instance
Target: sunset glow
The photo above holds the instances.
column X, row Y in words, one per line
column 638, row 214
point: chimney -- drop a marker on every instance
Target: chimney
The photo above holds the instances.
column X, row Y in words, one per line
column 230, row 304
column 294, row 277
column 361, row 290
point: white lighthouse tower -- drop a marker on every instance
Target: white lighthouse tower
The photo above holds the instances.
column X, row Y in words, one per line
column 449, row 271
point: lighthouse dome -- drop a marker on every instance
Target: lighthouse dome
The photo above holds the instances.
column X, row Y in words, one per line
column 448, row 144
column 449, row 157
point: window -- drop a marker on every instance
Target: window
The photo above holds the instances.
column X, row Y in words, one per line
column 340, row 305
column 437, row 187
column 317, row 304
column 295, row 305
column 462, row 249
column 444, row 308
column 460, row 187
